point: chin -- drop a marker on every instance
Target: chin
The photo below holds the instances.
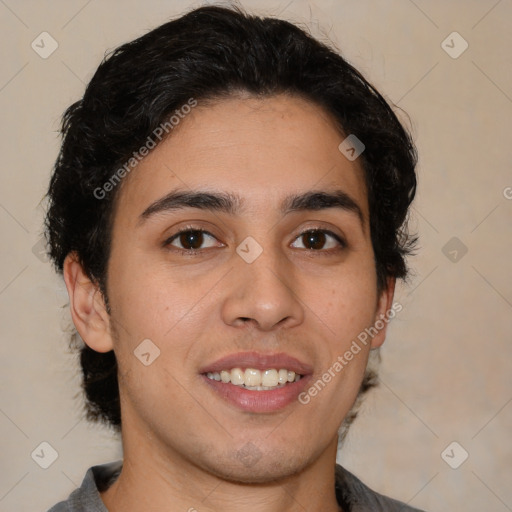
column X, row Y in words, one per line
column 260, row 469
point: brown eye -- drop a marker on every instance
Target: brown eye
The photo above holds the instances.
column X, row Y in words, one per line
column 316, row 240
column 190, row 239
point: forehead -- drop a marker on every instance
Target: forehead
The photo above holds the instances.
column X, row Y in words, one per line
column 261, row 150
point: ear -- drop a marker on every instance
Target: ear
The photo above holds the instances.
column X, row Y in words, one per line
column 87, row 306
column 382, row 313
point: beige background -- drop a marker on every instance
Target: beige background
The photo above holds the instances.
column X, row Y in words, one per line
column 446, row 373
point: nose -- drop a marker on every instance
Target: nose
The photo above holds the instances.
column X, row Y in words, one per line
column 263, row 293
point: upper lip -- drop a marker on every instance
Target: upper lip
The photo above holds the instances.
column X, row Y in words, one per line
column 258, row 361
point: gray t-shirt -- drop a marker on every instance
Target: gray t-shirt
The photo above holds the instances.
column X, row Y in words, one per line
column 351, row 493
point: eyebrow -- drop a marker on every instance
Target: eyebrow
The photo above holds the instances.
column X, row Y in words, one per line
column 233, row 204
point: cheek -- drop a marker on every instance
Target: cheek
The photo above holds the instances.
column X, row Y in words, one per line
column 152, row 300
column 344, row 305
column 174, row 313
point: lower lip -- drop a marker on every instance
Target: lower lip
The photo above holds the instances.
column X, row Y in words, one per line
column 258, row 401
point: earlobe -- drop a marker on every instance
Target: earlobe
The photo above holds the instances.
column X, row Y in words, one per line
column 382, row 316
column 87, row 306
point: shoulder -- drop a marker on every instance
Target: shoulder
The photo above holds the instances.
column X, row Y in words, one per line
column 86, row 498
column 355, row 496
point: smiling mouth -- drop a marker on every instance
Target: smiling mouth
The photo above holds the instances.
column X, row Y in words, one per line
column 254, row 379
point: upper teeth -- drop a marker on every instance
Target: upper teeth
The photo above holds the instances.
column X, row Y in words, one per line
column 251, row 377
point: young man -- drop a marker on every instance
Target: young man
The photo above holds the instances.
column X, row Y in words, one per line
column 228, row 212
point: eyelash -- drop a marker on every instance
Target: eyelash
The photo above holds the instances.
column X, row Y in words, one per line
column 197, row 252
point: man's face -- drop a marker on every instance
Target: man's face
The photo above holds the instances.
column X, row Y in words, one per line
column 305, row 296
